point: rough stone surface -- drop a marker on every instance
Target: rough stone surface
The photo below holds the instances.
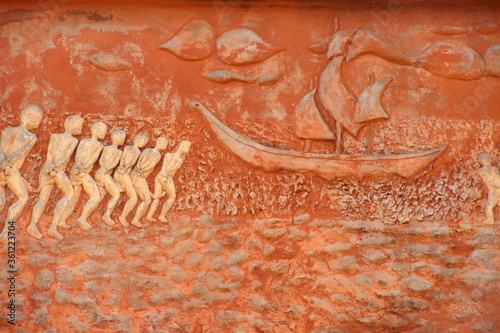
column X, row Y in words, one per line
column 45, row 279
column 250, row 248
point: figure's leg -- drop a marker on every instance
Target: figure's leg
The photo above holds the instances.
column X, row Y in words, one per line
column 16, row 185
column 141, row 186
column 43, row 198
column 64, row 184
column 3, row 235
column 156, row 201
column 114, row 191
column 131, row 202
column 70, row 206
column 493, row 199
column 92, row 190
column 170, row 189
column 3, row 199
column 102, row 192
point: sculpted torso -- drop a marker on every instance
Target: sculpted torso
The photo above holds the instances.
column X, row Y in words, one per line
column 87, row 153
column 15, row 139
column 110, row 158
column 491, row 177
column 172, row 163
column 129, row 158
column 149, row 158
column 60, row 148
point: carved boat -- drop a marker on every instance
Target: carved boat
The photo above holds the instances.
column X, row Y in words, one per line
column 327, row 166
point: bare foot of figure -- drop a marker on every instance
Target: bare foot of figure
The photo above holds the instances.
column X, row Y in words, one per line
column 489, row 222
column 151, row 219
column 137, row 224
column 33, row 231
column 83, row 224
column 163, row 219
column 64, row 225
column 54, row 233
column 106, row 219
column 123, row 221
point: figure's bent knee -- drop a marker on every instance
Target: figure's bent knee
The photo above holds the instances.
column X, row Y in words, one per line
column 69, row 192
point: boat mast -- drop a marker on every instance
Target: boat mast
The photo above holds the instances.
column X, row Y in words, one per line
column 338, row 146
column 369, row 147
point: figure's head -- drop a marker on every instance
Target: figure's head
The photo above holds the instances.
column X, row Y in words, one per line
column 118, row 137
column 31, row 117
column 162, row 143
column 484, row 159
column 99, row 129
column 184, row 147
column 73, row 125
column 141, row 140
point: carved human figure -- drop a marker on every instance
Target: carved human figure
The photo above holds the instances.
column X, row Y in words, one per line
column 15, row 145
column 491, row 177
column 164, row 183
column 145, row 165
column 61, row 147
column 122, row 175
column 87, row 154
column 110, row 158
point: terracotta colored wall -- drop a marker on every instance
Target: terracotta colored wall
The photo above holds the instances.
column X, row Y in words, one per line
column 249, row 250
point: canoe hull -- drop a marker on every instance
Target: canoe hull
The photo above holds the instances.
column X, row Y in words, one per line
column 327, row 166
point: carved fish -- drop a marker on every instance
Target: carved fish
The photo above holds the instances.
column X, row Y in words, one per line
column 486, row 27
column 449, row 59
column 17, row 15
column 244, row 47
column 449, row 30
column 339, row 43
column 492, row 60
column 109, row 63
column 223, row 76
column 269, row 78
column 453, row 60
column 368, row 41
column 196, row 40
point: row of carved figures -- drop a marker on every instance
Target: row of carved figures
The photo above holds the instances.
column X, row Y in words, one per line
column 120, row 171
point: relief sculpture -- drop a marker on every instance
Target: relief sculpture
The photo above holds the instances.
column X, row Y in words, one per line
column 164, row 183
column 324, row 114
column 122, row 175
column 491, row 177
column 61, row 147
column 250, row 166
column 144, row 167
column 87, row 153
column 15, row 145
column 110, row 158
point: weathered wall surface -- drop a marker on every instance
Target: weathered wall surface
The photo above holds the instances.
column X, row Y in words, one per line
column 249, row 250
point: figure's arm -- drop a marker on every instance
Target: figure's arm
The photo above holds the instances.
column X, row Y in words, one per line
column 116, row 159
column 67, row 154
column 92, row 159
column 166, row 163
column 25, row 150
column 496, row 177
column 50, row 158
column 2, row 141
column 149, row 163
column 130, row 159
column 106, row 159
column 176, row 166
column 2, row 159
